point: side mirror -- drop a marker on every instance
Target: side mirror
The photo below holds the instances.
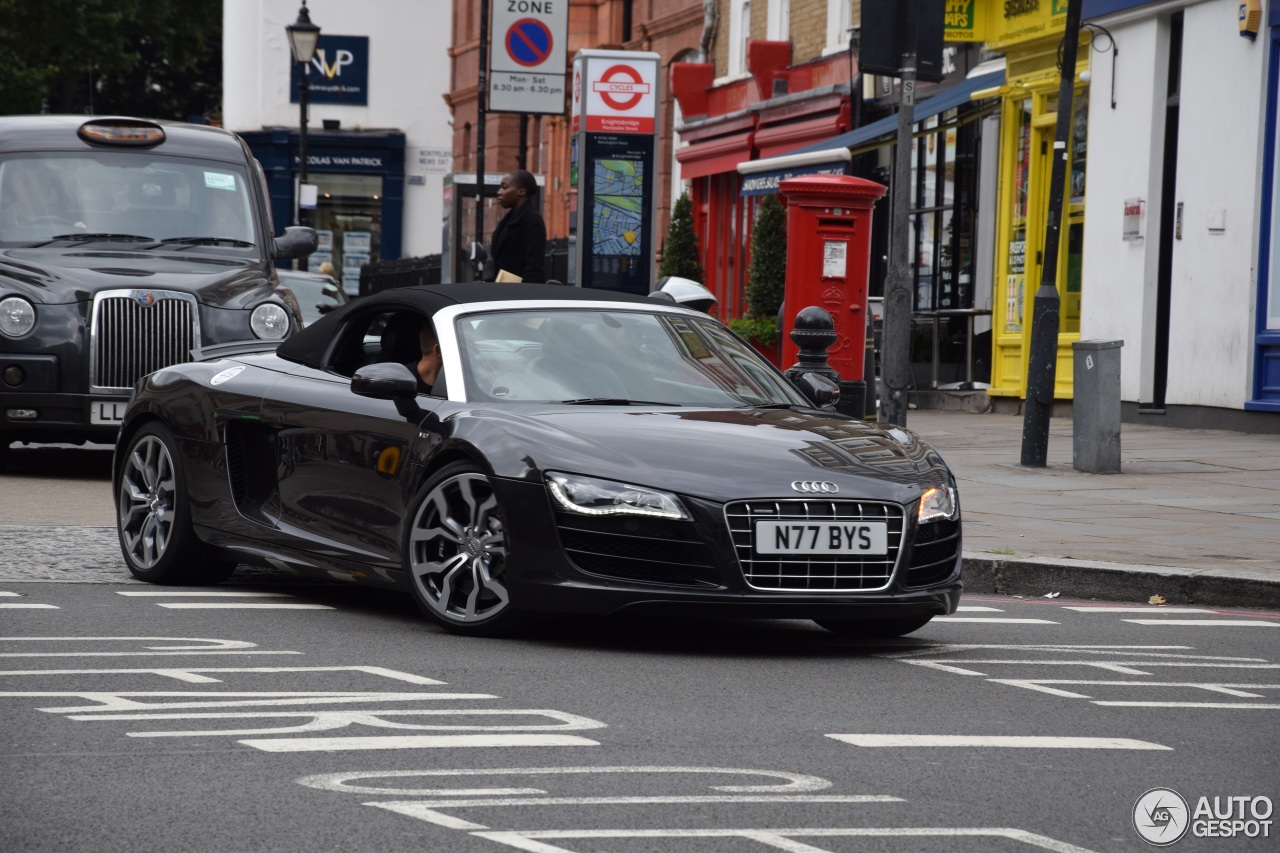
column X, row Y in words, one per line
column 298, row 241
column 387, row 381
column 820, row 390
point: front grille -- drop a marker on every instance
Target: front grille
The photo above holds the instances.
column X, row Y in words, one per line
column 933, row 553
column 814, row 572
column 637, row 549
column 135, row 332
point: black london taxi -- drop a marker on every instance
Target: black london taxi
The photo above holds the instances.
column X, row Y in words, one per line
column 125, row 246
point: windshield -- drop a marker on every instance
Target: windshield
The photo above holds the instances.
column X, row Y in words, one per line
column 614, row 358
column 125, row 196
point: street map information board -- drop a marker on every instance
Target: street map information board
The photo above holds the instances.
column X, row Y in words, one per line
column 613, row 115
column 619, row 210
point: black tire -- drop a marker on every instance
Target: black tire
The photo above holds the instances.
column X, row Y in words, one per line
column 154, row 519
column 5, row 438
column 874, row 629
column 455, row 554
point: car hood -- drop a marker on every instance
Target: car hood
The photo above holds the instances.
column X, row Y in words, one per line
column 60, row 275
column 724, row 454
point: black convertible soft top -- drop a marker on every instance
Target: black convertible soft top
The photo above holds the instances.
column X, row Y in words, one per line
column 309, row 346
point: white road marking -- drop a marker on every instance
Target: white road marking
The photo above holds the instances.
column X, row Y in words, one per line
column 177, row 594
column 194, row 675
column 994, row 619
column 1240, row 690
column 121, row 701
column 1245, row 706
column 209, row 647
column 200, row 605
column 345, row 744
column 1012, row 741
column 973, row 608
column 782, row 839
column 1103, row 608
column 329, row 720
column 9, row 594
column 791, row 782
column 25, row 606
column 1202, row 623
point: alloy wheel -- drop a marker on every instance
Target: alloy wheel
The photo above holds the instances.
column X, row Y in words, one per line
column 148, row 490
column 457, row 550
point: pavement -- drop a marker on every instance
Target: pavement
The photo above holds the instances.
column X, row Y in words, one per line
column 1193, row 516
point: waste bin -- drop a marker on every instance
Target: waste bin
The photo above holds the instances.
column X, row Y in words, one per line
column 1095, row 409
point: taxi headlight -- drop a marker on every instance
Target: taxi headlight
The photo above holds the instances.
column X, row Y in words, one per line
column 269, row 321
column 938, row 504
column 590, row 496
column 17, row 316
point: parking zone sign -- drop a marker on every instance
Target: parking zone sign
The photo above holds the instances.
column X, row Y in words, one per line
column 527, row 56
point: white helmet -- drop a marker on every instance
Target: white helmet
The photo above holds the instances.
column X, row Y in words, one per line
column 687, row 292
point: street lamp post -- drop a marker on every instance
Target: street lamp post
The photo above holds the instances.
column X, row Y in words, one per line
column 303, row 36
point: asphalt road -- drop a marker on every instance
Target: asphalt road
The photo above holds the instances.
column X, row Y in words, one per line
column 148, row 719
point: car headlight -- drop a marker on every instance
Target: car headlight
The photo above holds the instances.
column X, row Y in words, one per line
column 938, row 504
column 269, row 321
column 589, row 496
column 17, row 316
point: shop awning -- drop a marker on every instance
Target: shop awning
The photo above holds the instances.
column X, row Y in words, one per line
column 934, row 105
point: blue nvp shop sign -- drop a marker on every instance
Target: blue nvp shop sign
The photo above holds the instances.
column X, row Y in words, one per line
column 338, row 73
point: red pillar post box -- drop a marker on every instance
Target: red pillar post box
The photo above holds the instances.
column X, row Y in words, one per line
column 828, row 262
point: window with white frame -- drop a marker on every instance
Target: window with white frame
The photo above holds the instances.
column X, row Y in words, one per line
column 839, row 20
column 739, row 32
column 778, row 26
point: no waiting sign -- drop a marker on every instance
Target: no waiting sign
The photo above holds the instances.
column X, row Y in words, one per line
column 527, row 56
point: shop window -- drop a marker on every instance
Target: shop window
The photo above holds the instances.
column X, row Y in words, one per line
column 348, row 219
column 1016, row 268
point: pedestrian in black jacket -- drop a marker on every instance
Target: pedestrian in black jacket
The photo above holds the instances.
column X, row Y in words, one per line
column 519, row 242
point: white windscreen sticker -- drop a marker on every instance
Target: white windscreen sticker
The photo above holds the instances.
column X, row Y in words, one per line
column 219, row 181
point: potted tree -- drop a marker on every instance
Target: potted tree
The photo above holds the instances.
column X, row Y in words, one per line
column 766, row 276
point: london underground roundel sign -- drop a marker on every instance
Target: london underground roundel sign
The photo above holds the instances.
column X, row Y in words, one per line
column 620, row 94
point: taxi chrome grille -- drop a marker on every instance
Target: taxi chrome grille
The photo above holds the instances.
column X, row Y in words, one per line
column 135, row 332
column 814, row 572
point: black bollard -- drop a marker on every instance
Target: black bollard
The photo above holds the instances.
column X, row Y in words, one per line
column 813, row 334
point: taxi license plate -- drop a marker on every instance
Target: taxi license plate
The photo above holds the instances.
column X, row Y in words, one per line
column 822, row 537
column 107, row 412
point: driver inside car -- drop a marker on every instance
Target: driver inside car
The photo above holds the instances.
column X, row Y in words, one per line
column 427, row 368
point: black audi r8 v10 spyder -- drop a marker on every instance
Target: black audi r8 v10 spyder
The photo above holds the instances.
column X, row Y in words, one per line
column 579, row 451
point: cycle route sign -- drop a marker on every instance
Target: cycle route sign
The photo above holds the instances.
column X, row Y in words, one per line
column 527, row 56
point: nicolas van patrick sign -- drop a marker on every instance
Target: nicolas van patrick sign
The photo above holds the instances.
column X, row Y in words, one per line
column 338, row 73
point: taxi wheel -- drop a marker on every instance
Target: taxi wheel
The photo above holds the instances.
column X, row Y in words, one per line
column 5, row 439
column 455, row 554
column 874, row 629
column 153, row 518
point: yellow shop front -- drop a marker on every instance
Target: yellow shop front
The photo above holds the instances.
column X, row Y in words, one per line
column 1029, row 32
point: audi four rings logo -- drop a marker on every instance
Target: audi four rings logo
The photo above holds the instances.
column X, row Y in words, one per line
column 813, row 486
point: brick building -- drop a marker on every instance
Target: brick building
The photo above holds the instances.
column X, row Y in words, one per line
column 674, row 29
